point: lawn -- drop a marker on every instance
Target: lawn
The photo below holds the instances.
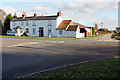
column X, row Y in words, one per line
column 99, row 69
column 53, row 37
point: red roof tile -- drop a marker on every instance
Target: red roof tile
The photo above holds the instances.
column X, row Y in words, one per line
column 64, row 24
column 72, row 28
column 80, row 25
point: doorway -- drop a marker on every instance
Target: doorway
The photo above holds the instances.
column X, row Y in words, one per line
column 41, row 31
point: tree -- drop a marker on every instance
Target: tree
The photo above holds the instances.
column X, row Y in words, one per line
column 2, row 16
column 93, row 31
column 7, row 22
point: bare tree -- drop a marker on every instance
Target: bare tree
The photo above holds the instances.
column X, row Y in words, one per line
column 2, row 17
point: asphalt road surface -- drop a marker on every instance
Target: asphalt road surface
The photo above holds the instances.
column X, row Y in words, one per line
column 25, row 56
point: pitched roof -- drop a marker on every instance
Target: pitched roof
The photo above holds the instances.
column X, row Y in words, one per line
column 64, row 24
column 89, row 27
column 82, row 30
column 72, row 28
column 35, row 18
column 18, row 27
column 80, row 25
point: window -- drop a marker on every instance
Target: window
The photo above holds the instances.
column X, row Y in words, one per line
column 34, row 22
column 27, row 23
column 22, row 23
column 61, row 32
column 34, row 31
column 27, row 30
column 15, row 31
column 14, row 23
column 49, row 31
column 49, row 22
column 21, row 30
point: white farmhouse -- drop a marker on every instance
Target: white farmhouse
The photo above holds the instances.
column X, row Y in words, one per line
column 45, row 26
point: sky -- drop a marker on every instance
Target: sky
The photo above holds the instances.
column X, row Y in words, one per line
column 86, row 12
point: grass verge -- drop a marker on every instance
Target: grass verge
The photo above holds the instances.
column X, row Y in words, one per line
column 99, row 69
column 52, row 37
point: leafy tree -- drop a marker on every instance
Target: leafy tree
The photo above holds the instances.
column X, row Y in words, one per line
column 93, row 31
column 101, row 29
column 7, row 22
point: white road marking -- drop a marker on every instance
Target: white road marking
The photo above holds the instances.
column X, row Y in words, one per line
column 29, row 43
column 48, row 44
column 40, row 40
column 105, row 38
column 53, row 41
column 61, row 42
column 33, row 42
column 23, row 44
column 109, row 40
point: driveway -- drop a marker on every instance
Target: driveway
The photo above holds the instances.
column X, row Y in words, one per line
column 25, row 56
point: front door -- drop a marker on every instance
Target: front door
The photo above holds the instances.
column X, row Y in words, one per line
column 41, row 31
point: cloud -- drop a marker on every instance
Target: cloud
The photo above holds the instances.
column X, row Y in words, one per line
column 59, row 0
column 86, row 13
column 39, row 9
column 88, row 6
column 78, row 0
column 89, row 13
column 43, row 10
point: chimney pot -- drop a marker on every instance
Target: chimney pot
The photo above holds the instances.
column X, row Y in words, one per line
column 23, row 15
column 35, row 14
column 15, row 16
column 59, row 13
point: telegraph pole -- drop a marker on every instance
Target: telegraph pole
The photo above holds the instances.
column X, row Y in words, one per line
column 102, row 24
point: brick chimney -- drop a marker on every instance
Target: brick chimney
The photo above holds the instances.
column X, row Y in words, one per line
column 96, row 26
column 59, row 13
column 15, row 16
column 35, row 14
column 23, row 15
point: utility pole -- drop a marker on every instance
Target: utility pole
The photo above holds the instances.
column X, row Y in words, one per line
column 102, row 24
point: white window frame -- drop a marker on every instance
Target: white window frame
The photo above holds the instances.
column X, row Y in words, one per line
column 49, row 22
column 61, row 32
column 34, row 22
column 27, row 30
column 49, row 31
column 22, row 23
column 27, row 23
column 14, row 24
column 34, row 30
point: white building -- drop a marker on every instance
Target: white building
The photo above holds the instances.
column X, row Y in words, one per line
column 44, row 26
column 118, row 28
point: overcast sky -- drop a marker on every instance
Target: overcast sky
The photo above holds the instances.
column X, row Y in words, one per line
column 86, row 12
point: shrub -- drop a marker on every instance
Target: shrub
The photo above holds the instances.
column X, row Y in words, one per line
column 93, row 31
column 24, row 34
column 117, row 37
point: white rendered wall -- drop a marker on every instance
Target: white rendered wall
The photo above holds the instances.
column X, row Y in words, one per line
column 87, row 29
column 78, row 34
column 59, row 20
column 70, row 33
column 39, row 23
column 75, row 34
column 67, row 34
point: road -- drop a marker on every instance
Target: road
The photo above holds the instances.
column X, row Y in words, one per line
column 25, row 56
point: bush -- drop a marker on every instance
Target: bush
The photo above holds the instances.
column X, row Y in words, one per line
column 116, row 35
column 24, row 34
column 113, row 35
column 93, row 31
